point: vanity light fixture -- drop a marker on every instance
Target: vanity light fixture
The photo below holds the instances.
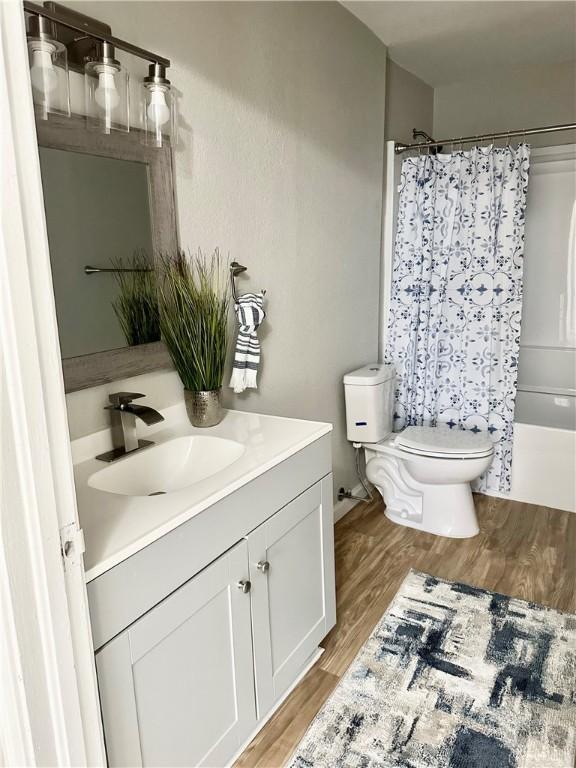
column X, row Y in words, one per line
column 60, row 37
column 106, row 91
column 159, row 107
column 48, row 69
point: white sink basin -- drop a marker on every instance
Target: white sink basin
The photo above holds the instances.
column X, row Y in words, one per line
column 167, row 467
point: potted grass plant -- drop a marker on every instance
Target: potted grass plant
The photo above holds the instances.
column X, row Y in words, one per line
column 136, row 305
column 193, row 294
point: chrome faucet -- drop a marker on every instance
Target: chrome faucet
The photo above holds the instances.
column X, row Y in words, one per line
column 123, row 414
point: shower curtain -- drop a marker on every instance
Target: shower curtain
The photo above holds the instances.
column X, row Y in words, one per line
column 454, row 322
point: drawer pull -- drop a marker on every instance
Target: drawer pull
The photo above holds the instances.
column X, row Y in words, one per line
column 263, row 566
column 244, row 585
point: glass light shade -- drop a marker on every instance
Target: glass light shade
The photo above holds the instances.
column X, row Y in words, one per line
column 159, row 116
column 106, row 95
column 49, row 76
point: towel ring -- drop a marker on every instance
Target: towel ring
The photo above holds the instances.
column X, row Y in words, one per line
column 235, row 270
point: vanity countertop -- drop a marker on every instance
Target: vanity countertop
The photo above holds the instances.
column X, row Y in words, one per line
column 117, row 526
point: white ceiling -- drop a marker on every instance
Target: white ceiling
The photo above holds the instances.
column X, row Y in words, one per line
column 444, row 42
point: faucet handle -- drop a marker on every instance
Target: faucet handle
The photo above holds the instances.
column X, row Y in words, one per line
column 123, row 398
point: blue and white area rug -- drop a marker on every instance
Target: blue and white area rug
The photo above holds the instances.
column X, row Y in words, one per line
column 453, row 676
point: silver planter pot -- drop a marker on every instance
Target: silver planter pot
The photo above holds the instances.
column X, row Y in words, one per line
column 204, row 408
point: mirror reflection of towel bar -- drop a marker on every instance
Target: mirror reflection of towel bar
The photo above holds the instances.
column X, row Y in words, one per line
column 94, row 270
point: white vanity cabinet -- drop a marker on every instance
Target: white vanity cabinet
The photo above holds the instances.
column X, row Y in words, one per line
column 292, row 593
column 177, row 687
column 196, row 673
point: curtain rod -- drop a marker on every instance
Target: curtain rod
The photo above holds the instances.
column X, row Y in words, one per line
column 400, row 147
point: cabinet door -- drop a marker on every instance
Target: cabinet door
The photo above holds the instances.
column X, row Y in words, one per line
column 293, row 597
column 177, row 687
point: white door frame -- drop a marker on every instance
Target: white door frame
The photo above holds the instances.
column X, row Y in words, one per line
column 48, row 694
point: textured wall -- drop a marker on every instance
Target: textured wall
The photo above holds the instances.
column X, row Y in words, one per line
column 409, row 104
column 526, row 97
column 282, row 115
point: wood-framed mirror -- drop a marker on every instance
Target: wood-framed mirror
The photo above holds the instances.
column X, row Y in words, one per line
column 110, row 205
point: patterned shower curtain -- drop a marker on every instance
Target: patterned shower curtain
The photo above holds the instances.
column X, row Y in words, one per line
column 454, row 323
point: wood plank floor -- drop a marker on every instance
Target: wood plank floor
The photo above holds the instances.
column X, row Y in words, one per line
column 522, row 550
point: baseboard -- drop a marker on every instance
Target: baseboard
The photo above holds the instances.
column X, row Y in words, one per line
column 342, row 508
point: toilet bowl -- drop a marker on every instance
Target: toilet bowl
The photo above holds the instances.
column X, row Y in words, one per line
column 424, row 475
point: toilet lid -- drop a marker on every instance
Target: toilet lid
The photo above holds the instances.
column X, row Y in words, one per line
column 442, row 441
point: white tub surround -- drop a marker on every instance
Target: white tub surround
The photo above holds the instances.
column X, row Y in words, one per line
column 117, row 526
column 207, row 602
column 547, row 362
column 543, row 467
column 544, row 452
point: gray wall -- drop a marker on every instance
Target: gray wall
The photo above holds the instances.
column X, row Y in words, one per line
column 409, row 104
column 282, row 121
column 525, row 97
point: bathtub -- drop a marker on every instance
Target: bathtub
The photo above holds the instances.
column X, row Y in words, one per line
column 543, row 461
column 544, row 452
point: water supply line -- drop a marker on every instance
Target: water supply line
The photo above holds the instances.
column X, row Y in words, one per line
column 346, row 493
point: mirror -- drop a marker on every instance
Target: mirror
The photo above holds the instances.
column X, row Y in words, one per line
column 109, row 204
column 98, row 217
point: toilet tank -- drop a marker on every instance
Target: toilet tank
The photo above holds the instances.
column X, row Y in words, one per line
column 369, row 394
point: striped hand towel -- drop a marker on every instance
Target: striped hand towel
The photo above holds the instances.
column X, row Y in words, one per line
column 250, row 313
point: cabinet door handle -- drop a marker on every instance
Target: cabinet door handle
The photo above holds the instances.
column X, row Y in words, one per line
column 244, row 585
column 263, row 566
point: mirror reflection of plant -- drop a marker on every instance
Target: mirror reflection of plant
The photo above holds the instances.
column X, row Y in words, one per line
column 193, row 318
column 136, row 305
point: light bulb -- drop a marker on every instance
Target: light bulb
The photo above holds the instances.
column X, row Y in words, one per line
column 106, row 94
column 42, row 73
column 158, row 111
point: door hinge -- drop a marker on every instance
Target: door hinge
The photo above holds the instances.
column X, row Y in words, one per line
column 72, row 545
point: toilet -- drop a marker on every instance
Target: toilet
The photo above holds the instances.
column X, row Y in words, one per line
column 422, row 473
